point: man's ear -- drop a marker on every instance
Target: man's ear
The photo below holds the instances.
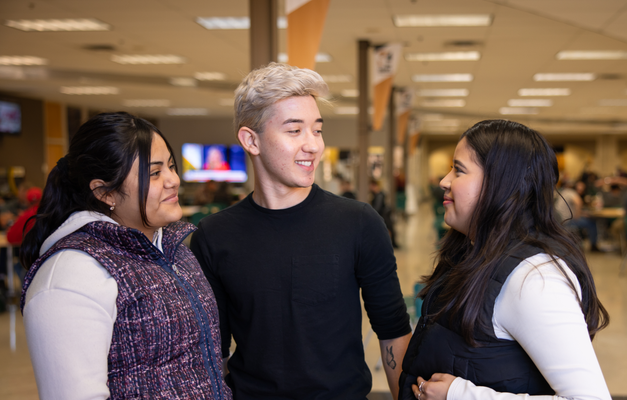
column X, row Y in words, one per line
column 249, row 140
column 97, row 187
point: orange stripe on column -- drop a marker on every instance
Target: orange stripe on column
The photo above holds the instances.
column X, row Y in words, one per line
column 382, row 92
column 402, row 127
column 304, row 32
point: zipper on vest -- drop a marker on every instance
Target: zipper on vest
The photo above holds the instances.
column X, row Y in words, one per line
column 176, row 270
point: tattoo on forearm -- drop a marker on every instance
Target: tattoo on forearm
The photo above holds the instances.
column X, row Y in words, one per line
column 389, row 357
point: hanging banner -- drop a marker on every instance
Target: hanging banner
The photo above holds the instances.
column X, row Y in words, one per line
column 414, row 134
column 386, row 60
column 305, row 21
column 404, row 101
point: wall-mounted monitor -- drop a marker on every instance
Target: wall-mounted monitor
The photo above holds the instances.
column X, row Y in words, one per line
column 10, row 117
column 214, row 162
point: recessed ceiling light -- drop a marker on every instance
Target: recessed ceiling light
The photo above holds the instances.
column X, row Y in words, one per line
column 453, row 123
column 445, row 56
column 147, row 59
column 346, row 110
column 530, row 103
column 89, row 90
column 337, row 78
column 443, row 78
column 564, row 77
column 613, row 102
column 210, row 76
column 350, row 93
column 187, row 111
column 41, row 25
column 592, row 55
column 518, row 110
column 320, row 57
column 183, row 81
column 442, row 20
column 431, row 117
column 444, row 103
column 443, row 92
column 544, row 92
column 146, row 103
column 233, row 22
column 22, row 60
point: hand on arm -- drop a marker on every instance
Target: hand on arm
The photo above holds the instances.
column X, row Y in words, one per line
column 435, row 388
column 392, row 354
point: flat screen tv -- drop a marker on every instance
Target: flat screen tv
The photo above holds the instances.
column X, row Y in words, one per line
column 216, row 162
column 10, row 117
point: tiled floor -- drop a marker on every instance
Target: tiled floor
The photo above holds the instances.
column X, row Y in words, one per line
column 414, row 259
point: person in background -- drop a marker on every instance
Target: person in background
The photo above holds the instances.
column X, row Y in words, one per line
column 288, row 263
column 115, row 306
column 347, row 189
column 379, row 204
column 21, row 225
column 511, row 308
column 569, row 209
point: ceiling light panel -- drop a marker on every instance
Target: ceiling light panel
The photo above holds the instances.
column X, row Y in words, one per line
column 187, row 111
column 146, row 103
column 350, row 93
column 530, row 103
column 565, row 77
column 210, row 76
column 613, row 102
column 213, row 23
column 445, row 56
column 58, row 25
column 518, row 110
column 147, row 59
column 592, row 55
column 183, row 82
column 443, row 92
column 444, row 103
column 22, row 60
column 320, row 57
column 443, row 78
column 337, row 78
column 442, row 20
column 89, row 90
column 544, row 92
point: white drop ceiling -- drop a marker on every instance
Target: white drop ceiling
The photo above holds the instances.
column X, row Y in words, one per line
column 523, row 40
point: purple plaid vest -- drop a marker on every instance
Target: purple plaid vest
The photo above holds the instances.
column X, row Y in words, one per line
column 166, row 338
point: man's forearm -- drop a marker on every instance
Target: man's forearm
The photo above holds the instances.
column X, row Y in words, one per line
column 392, row 354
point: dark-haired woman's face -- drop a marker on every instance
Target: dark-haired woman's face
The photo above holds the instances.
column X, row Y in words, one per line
column 162, row 204
column 462, row 187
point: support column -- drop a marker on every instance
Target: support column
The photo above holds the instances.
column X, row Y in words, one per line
column 389, row 151
column 363, row 129
column 263, row 32
column 606, row 157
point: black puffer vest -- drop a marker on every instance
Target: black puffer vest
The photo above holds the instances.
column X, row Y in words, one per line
column 438, row 347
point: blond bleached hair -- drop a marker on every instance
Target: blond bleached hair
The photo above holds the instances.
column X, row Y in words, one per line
column 265, row 86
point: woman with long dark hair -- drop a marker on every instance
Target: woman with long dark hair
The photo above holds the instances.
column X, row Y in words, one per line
column 511, row 308
column 115, row 306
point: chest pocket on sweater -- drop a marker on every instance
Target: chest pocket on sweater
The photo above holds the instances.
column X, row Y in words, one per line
column 315, row 278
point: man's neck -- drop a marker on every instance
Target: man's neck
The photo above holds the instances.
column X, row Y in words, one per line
column 279, row 198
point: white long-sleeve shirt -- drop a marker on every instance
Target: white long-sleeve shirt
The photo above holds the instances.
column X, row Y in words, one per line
column 537, row 308
column 69, row 313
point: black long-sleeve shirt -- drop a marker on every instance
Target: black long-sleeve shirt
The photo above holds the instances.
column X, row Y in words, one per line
column 287, row 284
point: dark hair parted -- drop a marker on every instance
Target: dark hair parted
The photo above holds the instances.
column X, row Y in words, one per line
column 105, row 147
column 516, row 203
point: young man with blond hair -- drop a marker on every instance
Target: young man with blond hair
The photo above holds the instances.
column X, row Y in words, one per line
column 288, row 262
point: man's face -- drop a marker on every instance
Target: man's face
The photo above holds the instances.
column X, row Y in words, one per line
column 291, row 144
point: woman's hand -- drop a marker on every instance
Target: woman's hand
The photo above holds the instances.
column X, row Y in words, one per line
column 435, row 388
